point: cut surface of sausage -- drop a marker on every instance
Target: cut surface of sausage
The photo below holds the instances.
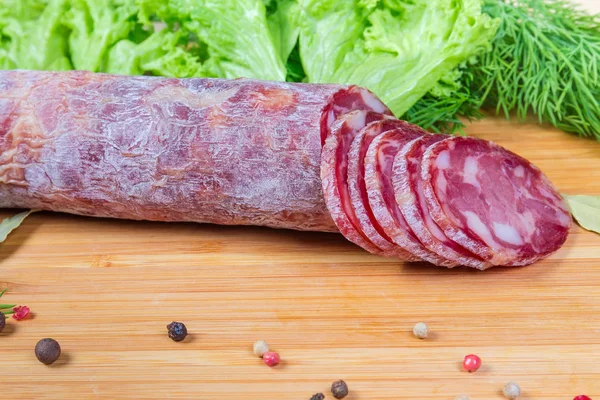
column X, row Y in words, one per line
column 349, row 99
column 378, row 180
column 358, row 190
column 408, row 187
column 334, row 175
column 493, row 202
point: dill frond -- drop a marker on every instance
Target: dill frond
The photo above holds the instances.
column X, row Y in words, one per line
column 546, row 61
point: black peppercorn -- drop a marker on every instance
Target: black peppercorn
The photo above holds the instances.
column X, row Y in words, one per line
column 339, row 389
column 47, row 351
column 2, row 321
column 177, row 331
column 318, row 396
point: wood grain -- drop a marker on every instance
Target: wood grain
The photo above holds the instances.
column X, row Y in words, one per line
column 106, row 290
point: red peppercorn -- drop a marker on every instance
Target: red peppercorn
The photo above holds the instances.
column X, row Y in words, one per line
column 271, row 358
column 471, row 363
column 20, row 312
column 582, row 397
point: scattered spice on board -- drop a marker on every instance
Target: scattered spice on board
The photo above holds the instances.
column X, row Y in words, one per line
column 177, row 331
column 511, row 391
column 260, row 347
column 20, row 312
column 47, row 351
column 317, row 396
column 271, row 358
column 339, row 389
column 421, row 330
column 471, row 363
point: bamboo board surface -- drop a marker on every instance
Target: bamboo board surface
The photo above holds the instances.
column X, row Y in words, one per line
column 106, row 290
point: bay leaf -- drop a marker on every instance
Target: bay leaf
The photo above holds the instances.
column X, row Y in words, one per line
column 11, row 223
column 586, row 210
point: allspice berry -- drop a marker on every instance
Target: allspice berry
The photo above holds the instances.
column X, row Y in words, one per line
column 339, row 389
column 421, row 330
column 47, row 351
column 318, row 396
column 511, row 391
column 2, row 321
column 177, row 331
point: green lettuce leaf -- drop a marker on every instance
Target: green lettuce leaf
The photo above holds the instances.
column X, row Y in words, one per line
column 96, row 25
column 399, row 49
column 295, row 71
column 32, row 35
column 162, row 53
column 328, row 31
column 282, row 17
column 235, row 32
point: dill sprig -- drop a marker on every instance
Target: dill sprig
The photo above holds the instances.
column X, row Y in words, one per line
column 445, row 112
column 546, row 61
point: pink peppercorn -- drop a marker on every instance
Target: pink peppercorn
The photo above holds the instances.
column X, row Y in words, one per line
column 582, row 397
column 20, row 312
column 271, row 358
column 471, row 363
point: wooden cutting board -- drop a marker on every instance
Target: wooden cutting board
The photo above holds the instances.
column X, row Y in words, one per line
column 106, row 290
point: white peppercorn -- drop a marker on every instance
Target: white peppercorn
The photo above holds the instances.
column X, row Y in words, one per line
column 260, row 348
column 511, row 391
column 421, row 330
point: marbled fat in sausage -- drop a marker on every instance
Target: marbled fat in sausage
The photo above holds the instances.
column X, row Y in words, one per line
column 493, row 202
column 378, row 180
column 408, row 186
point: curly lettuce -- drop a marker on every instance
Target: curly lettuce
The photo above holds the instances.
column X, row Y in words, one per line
column 235, row 32
column 32, row 35
column 399, row 49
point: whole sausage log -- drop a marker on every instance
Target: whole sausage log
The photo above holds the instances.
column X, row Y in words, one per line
column 235, row 152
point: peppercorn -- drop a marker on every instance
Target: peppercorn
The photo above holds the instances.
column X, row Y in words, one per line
column 2, row 321
column 271, row 358
column 318, row 396
column 421, row 330
column 511, row 391
column 471, row 363
column 339, row 389
column 21, row 312
column 47, row 351
column 582, row 397
column 177, row 331
column 260, row 348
